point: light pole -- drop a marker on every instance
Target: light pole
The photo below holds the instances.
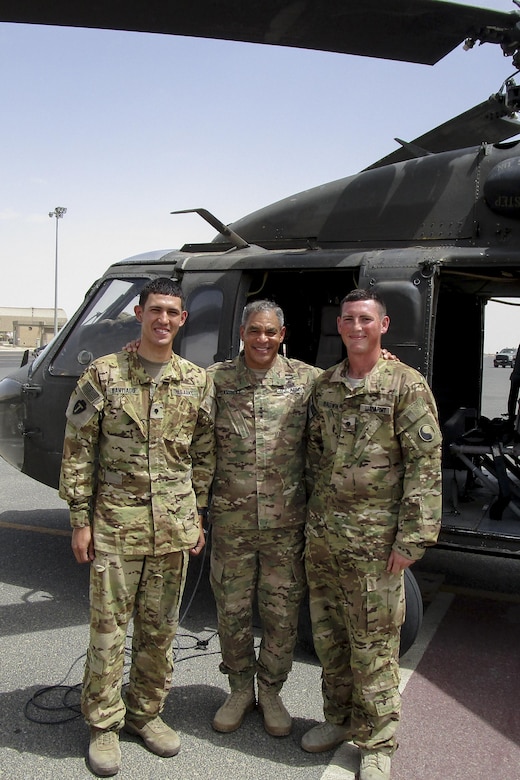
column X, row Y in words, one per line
column 58, row 212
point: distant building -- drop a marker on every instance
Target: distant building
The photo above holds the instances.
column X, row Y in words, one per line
column 28, row 327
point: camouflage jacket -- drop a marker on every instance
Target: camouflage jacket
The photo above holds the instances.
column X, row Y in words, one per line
column 136, row 467
column 260, row 427
column 374, row 461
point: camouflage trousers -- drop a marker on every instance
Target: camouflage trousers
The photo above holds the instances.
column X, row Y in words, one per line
column 150, row 588
column 357, row 610
column 268, row 564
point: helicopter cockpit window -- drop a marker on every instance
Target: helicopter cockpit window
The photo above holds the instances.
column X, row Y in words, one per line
column 200, row 333
column 106, row 325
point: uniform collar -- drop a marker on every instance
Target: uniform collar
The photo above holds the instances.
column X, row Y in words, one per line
column 275, row 375
column 372, row 379
column 137, row 374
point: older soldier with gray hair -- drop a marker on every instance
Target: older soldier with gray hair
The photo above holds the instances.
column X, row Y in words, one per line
column 257, row 513
column 138, row 460
column 375, row 475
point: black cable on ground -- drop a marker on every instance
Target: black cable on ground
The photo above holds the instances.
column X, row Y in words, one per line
column 56, row 704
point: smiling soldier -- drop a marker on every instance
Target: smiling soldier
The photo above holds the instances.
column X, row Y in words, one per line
column 375, row 481
column 257, row 514
column 138, row 461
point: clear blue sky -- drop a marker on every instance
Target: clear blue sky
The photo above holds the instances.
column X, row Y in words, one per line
column 123, row 128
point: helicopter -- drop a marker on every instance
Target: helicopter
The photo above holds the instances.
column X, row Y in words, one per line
column 432, row 227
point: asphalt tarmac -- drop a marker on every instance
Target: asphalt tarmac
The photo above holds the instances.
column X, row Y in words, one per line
column 44, row 633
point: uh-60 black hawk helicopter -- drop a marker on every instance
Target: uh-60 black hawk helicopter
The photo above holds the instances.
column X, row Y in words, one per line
column 434, row 228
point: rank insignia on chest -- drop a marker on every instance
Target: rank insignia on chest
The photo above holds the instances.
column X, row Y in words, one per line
column 157, row 412
column 348, row 424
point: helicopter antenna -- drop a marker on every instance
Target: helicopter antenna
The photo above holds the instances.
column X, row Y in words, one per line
column 413, row 149
column 233, row 237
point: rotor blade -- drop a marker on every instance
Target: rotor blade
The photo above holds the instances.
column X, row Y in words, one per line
column 489, row 122
column 421, row 31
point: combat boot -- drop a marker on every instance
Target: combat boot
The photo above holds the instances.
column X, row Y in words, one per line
column 232, row 713
column 277, row 721
column 325, row 736
column 374, row 765
column 104, row 753
column 156, row 735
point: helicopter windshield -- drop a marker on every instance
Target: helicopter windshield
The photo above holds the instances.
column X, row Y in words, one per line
column 105, row 326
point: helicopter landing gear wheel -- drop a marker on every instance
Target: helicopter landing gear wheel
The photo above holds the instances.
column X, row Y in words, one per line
column 414, row 612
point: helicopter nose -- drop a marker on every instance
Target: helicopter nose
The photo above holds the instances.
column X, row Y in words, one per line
column 11, row 421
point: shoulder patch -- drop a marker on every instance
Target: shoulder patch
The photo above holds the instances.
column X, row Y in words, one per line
column 80, row 411
column 426, row 432
column 79, row 406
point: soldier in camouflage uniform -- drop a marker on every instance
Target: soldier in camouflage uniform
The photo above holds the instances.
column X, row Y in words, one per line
column 375, row 475
column 138, row 461
column 257, row 513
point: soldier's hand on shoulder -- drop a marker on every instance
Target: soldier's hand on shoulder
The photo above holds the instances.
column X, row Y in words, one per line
column 386, row 355
column 132, row 346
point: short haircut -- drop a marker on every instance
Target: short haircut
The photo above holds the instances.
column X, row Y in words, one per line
column 364, row 295
column 256, row 306
column 162, row 285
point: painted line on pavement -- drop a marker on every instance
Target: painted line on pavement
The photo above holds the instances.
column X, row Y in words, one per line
column 39, row 529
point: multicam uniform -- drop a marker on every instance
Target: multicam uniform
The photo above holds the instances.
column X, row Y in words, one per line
column 258, row 514
column 138, row 460
column 374, row 466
